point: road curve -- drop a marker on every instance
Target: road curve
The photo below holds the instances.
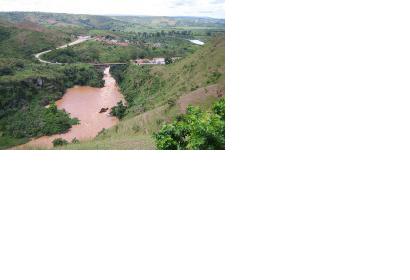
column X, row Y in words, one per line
column 78, row 41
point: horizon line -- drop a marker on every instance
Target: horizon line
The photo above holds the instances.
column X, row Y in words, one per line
column 108, row 15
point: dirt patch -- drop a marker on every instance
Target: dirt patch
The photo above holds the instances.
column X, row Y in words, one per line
column 199, row 96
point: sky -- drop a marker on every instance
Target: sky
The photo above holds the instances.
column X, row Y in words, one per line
column 202, row 8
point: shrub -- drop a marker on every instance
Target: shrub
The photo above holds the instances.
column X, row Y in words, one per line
column 136, row 128
column 172, row 102
column 59, row 142
column 168, row 60
column 197, row 130
column 119, row 110
column 102, row 132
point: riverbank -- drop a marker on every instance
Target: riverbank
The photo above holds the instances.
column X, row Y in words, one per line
column 84, row 103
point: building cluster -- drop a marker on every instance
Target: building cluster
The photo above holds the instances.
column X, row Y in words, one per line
column 153, row 61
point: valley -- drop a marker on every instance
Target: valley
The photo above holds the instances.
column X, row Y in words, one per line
column 67, row 87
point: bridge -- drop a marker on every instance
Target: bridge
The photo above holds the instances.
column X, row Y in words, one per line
column 107, row 64
column 101, row 66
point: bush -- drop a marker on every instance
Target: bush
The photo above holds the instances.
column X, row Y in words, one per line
column 59, row 142
column 168, row 60
column 197, row 130
column 172, row 102
column 119, row 110
column 136, row 128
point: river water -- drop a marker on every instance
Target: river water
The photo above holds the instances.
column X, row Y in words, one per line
column 197, row 42
column 85, row 103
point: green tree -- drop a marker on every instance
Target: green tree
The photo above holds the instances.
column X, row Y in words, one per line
column 119, row 110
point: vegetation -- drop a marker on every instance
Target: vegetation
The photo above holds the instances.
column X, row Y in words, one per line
column 119, row 110
column 37, row 84
column 22, row 42
column 37, row 121
column 115, row 23
column 101, row 52
column 26, row 88
column 59, row 142
column 168, row 60
column 197, row 130
column 148, row 87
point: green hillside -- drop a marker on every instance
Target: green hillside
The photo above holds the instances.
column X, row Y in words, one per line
column 148, row 87
column 157, row 95
column 147, row 23
column 100, row 52
column 63, row 21
column 22, row 41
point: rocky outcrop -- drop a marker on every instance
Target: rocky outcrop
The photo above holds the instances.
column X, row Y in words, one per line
column 40, row 82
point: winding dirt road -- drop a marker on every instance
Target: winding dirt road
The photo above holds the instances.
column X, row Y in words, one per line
column 80, row 40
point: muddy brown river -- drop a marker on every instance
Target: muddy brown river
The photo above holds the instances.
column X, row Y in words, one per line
column 85, row 103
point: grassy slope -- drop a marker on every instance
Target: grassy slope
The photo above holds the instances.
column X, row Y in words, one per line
column 63, row 20
column 149, row 87
column 135, row 131
column 21, row 41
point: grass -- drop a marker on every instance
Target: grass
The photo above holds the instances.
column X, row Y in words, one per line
column 146, row 88
column 20, row 42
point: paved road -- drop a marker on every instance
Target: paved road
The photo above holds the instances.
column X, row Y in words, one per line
column 78, row 41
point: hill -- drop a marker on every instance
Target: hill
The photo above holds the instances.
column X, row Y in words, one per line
column 156, row 22
column 58, row 20
column 23, row 40
column 83, row 23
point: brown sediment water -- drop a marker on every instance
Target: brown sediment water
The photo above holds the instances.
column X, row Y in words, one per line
column 85, row 103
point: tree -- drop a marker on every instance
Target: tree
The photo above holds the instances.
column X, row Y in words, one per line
column 196, row 130
column 119, row 110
